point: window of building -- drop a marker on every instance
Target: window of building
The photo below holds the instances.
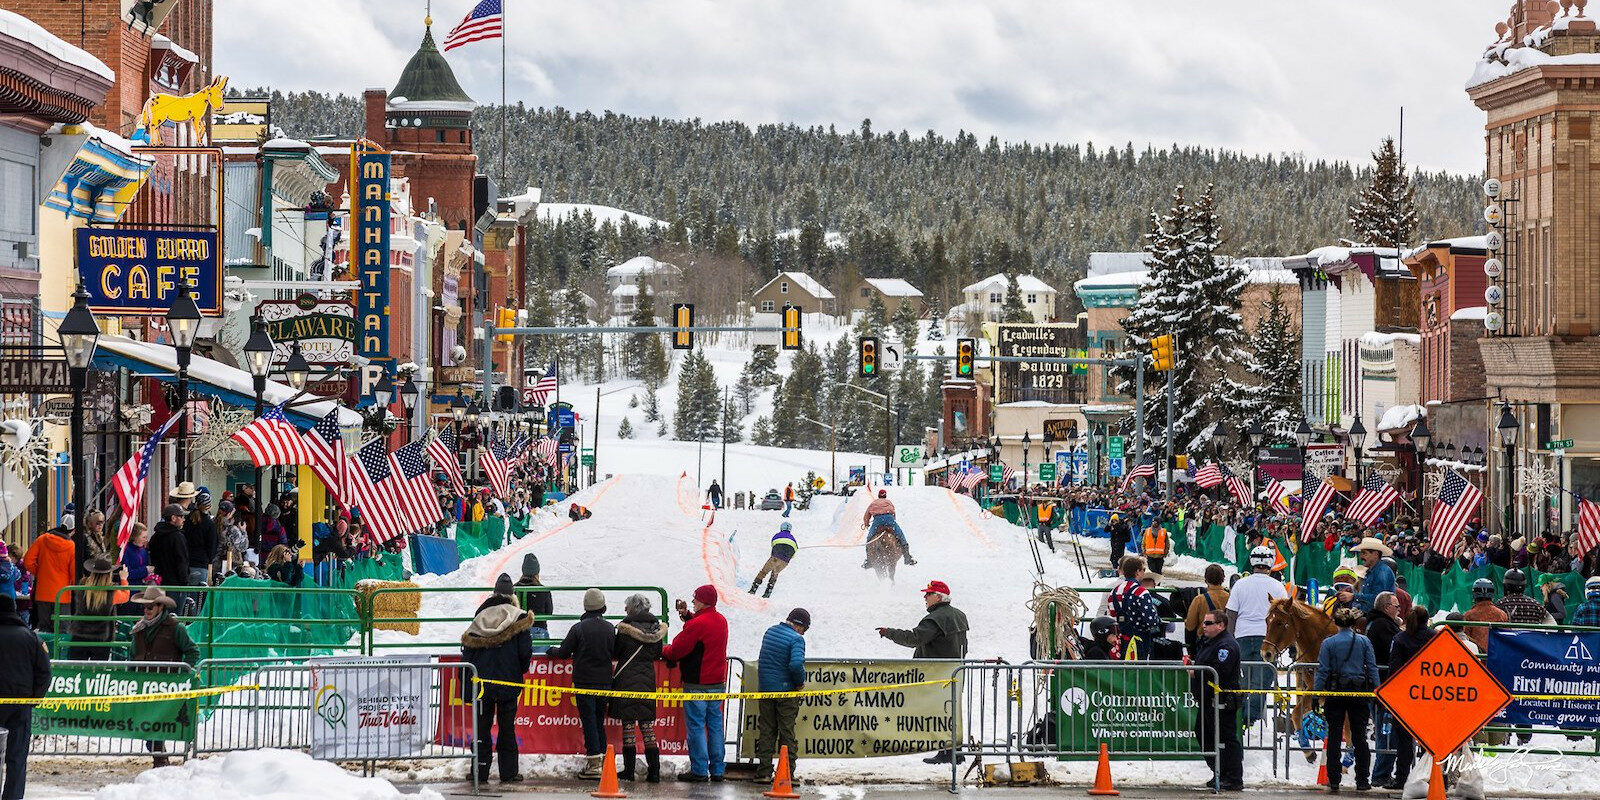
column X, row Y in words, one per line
column 440, row 134
column 866, row 292
column 17, row 187
column 783, row 287
column 996, row 297
column 767, row 305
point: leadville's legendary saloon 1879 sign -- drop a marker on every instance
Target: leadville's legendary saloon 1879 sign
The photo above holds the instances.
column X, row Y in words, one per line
column 1025, row 381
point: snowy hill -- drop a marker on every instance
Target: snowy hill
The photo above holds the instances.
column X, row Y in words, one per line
column 552, row 212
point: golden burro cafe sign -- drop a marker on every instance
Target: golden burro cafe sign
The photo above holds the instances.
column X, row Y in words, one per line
column 137, row 271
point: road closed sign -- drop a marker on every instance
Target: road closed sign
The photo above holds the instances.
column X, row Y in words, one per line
column 1443, row 695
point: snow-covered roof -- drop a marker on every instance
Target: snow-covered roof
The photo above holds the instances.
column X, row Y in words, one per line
column 160, row 42
column 401, row 105
column 1471, row 312
column 1112, row 263
column 284, row 143
column 1398, row 417
column 1026, row 283
column 1376, row 339
column 804, row 281
column 23, row 29
column 1506, row 58
column 627, row 289
column 639, row 265
column 529, row 195
column 894, row 287
column 554, row 212
column 1115, row 280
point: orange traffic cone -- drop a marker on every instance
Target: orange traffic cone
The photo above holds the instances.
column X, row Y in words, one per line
column 1102, row 775
column 1435, row 782
column 781, row 786
column 1322, row 774
column 608, row 776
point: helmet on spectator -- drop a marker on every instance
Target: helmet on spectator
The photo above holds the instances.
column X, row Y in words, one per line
column 1483, row 589
column 1261, row 557
column 1101, row 627
column 1591, row 587
column 1515, row 581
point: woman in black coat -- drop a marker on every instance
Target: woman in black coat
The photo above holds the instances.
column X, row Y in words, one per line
column 1407, row 643
column 638, row 648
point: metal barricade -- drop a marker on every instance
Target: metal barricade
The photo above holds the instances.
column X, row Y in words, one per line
column 301, row 706
column 440, row 634
column 1014, row 711
column 126, row 732
column 733, row 713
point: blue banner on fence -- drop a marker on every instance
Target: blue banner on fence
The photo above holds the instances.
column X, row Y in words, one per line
column 1548, row 663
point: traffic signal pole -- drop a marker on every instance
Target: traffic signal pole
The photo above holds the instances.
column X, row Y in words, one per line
column 1168, row 433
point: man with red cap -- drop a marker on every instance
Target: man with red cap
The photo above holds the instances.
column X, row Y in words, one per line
column 701, row 653
column 942, row 633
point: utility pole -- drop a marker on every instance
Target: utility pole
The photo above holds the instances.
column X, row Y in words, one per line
column 594, row 455
column 1169, row 434
column 888, row 428
column 727, row 396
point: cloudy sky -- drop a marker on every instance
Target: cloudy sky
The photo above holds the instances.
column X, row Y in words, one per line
column 1324, row 79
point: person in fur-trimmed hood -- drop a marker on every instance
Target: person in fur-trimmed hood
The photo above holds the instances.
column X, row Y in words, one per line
column 499, row 645
column 639, row 638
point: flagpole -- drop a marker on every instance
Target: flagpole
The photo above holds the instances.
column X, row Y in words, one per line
column 505, row 32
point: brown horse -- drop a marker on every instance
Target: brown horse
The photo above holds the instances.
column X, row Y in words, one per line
column 1296, row 624
column 883, row 554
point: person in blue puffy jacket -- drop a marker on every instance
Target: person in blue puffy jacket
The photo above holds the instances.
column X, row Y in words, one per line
column 781, row 668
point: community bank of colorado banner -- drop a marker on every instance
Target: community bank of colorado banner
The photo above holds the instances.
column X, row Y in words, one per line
column 365, row 708
column 884, row 722
column 547, row 721
column 157, row 720
column 1144, row 712
column 1548, row 663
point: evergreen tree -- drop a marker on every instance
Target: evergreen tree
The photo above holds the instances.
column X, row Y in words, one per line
column 732, row 431
column 761, row 432
column 1385, row 213
column 762, row 368
column 1274, row 366
column 1013, row 309
column 652, row 405
column 647, row 357
column 625, row 430
column 905, row 322
column 699, row 399
column 744, row 393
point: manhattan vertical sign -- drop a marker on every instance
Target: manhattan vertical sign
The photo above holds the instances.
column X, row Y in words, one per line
column 372, row 255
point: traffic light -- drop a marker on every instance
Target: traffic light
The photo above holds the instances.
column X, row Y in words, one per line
column 1161, row 352
column 505, row 318
column 868, row 356
column 683, row 320
column 966, row 352
column 791, row 327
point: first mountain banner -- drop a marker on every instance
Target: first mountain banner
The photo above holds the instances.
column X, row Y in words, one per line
column 136, row 272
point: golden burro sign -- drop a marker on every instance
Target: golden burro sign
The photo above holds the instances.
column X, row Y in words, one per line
column 325, row 329
column 136, row 272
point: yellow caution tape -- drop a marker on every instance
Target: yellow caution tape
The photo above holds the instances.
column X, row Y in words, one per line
column 104, row 702
column 686, row 696
column 1283, row 693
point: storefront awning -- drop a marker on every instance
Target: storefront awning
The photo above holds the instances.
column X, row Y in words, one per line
column 212, row 378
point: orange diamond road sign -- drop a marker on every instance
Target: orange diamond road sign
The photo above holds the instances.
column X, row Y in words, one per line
column 1443, row 695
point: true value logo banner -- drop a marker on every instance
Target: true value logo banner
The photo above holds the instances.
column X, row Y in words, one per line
column 371, row 259
column 364, row 708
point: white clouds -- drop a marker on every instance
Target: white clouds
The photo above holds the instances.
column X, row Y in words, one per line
column 1323, row 79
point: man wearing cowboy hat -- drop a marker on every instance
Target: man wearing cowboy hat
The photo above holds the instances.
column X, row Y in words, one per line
column 159, row 636
column 183, row 494
column 1380, row 576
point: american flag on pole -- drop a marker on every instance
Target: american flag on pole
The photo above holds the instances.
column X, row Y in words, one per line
column 442, row 448
column 545, row 386
column 974, row 477
column 415, row 487
column 1317, row 494
column 1375, row 497
column 1588, row 526
column 1209, row 475
column 492, row 458
column 1236, row 486
column 325, row 453
column 129, row 482
column 1145, row 470
column 1277, row 494
column 373, row 493
column 1006, row 473
column 1458, row 502
column 547, row 447
column 487, row 21
column 272, row 440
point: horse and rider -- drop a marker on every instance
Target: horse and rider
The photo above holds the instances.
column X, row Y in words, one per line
column 880, row 521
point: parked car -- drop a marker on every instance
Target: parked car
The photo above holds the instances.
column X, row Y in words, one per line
column 773, row 501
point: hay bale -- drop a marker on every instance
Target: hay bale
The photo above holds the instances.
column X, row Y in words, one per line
column 392, row 605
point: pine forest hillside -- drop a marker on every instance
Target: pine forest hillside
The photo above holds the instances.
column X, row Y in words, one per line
column 936, row 211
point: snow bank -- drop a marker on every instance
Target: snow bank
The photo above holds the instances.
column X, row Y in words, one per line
column 257, row 775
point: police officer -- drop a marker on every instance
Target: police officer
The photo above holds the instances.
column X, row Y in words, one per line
column 1219, row 711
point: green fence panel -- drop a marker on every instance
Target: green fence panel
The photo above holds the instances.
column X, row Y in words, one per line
column 474, row 539
column 1210, row 544
column 1177, row 539
column 1313, row 562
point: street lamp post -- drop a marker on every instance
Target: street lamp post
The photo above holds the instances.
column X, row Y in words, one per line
column 183, row 321
column 1421, row 437
column 1358, row 441
column 258, row 357
column 1257, row 434
column 80, row 333
column 1027, row 452
column 408, row 398
column 297, row 370
column 1507, row 428
column 1302, row 438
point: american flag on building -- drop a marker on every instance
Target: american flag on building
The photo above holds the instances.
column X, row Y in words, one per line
column 545, row 386
column 129, row 482
column 442, row 449
column 486, row 21
column 1209, row 475
column 492, row 458
column 1588, row 526
column 547, row 448
column 325, row 454
column 1317, row 493
column 1277, row 494
column 409, row 466
column 373, row 494
column 1375, row 497
column 1145, row 470
column 1457, row 503
column 1236, row 486
column 272, row 440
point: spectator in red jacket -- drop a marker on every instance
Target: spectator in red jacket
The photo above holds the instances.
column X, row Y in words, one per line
column 701, row 653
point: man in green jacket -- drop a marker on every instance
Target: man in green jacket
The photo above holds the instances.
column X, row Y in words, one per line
column 940, row 634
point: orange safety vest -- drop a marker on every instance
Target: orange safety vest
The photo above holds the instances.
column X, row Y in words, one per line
column 788, row 492
column 1045, row 511
column 1155, row 542
column 1278, row 563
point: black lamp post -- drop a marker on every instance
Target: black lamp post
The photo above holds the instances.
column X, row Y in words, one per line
column 1257, row 434
column 183, row 320
column 1421, row 437
column 1027, row 453
column 1358, row 440
column 79, row 333
column 1219, row 438
column 1302, row 438
column 1507, row 428
column 258, row 357
column 408, row 398
column 297, row 370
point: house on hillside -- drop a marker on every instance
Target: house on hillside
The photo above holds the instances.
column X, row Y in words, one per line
column 659, row 278
column 894, row 293
column 985, row 300
column 797, row 289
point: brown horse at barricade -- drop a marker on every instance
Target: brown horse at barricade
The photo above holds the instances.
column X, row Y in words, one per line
column 1297, row 625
